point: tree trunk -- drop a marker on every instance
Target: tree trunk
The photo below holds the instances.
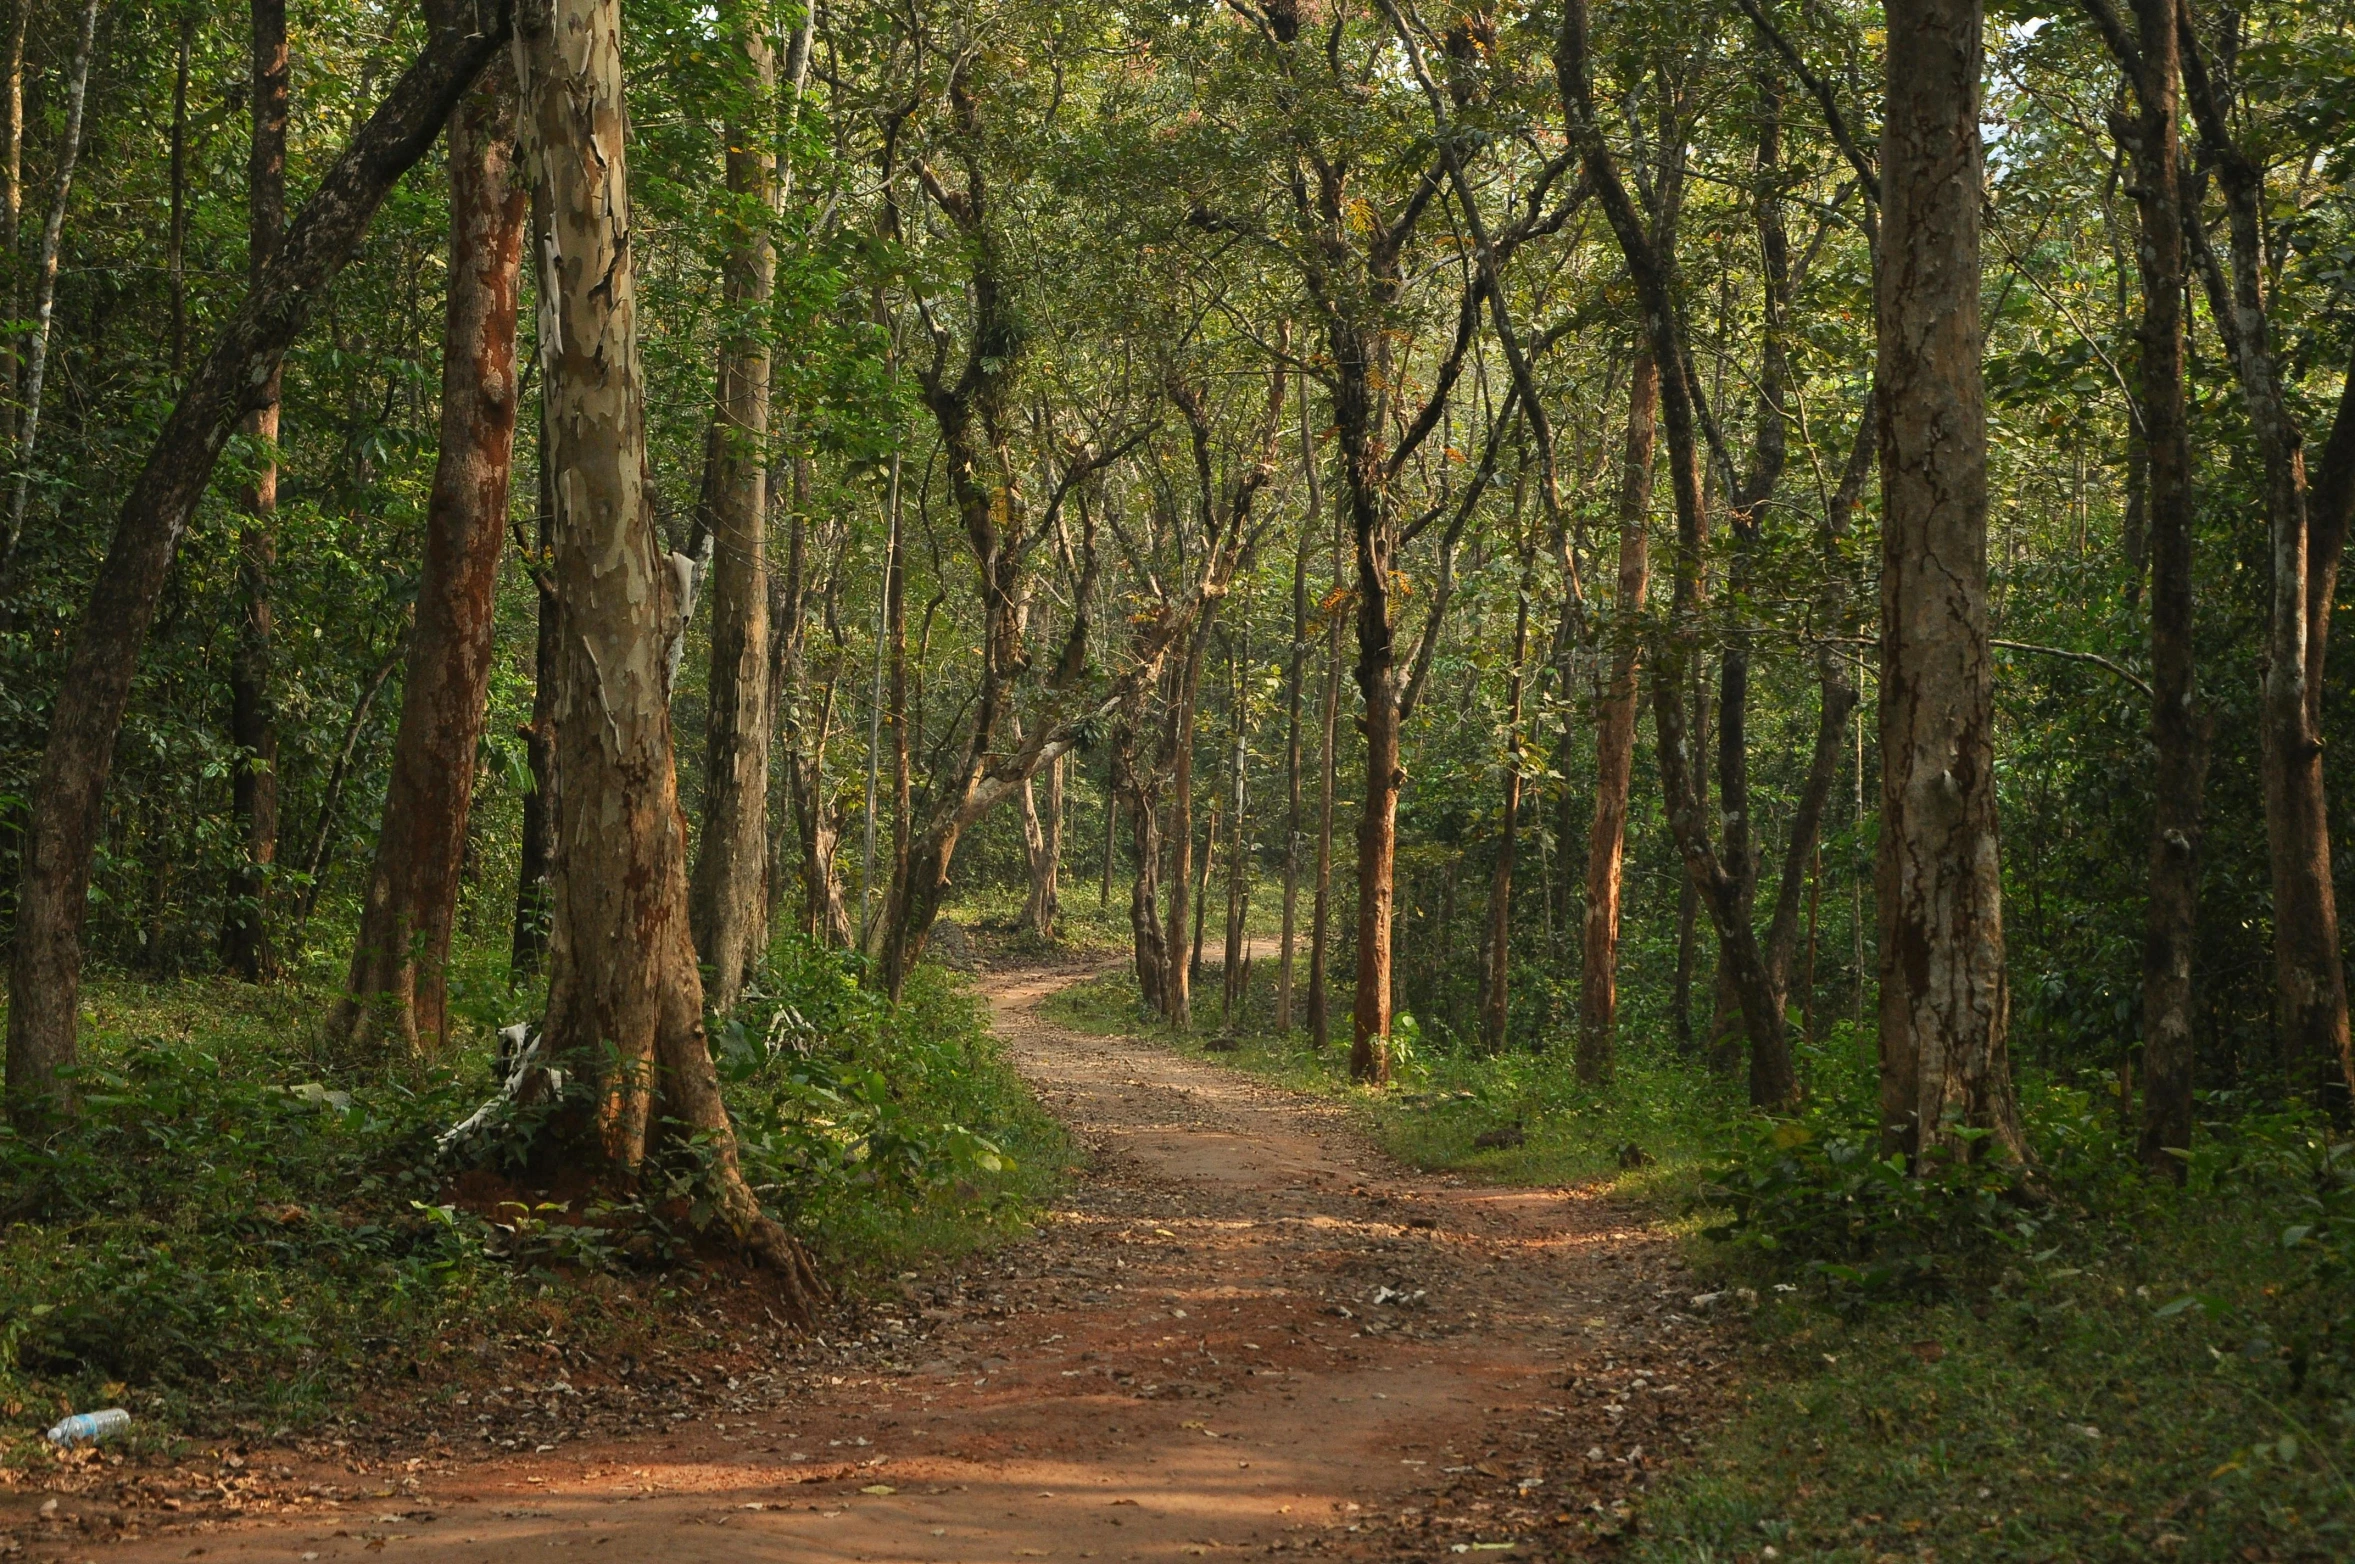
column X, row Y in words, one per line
column 727, row 903
column 396, row 995
column 1202, row 887
column 625, row 998
column 1178, row 1007
column 1294, row 665
column 1836, row 706
column 1231, row 995
column 532, row 909
column 1131, row 790
column 2310, row 981
column 246, row 946
column 1944, row 1001
column 69, row 798
column 1651, row 262
column 12, row 205
column 1111, row 837
column 2152, row 139
column 1320, row 1025
column 1615, row 719
column 1497, row 1010
column 1042, row 850
column 1376, row 673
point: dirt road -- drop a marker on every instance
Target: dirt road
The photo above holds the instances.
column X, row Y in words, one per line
column 1245, row 1329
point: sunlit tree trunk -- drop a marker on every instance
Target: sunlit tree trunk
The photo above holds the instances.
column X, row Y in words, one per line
column 1944, row 999
column 727, row 898
column 1615, row 719
column 625, row 998
column 253, row 727
column 1178, row 990
column 396, row 995
column 69, row 797
column 1231, row 973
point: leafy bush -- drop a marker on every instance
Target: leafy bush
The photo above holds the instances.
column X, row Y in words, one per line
column 202, row 1225
column 1815, row 1193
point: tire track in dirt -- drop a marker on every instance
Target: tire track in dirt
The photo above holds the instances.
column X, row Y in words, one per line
column 1242, row 1329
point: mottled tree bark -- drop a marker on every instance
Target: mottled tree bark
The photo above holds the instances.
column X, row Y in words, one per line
column 253, row 727
column 69, row 798
column 396, row 996
column 1615, row 719
column 727, row 899
column 1944, row 999
column 625, row 998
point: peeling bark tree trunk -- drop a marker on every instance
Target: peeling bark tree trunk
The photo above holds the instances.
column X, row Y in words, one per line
column 1042, row 848
column 396, row 996
column 727, row 900
column 1944, row 1002
column 625, row 999
column 69, row 798
column 253, row 727
column 1615, row 718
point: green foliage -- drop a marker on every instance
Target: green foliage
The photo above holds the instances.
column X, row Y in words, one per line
column 232, row 1233
column 1814, row 1192
column 225, row 1234
column 878, row 1131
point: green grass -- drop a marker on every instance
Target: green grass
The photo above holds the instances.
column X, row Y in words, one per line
column 1945, row 1416
column 242, row 1231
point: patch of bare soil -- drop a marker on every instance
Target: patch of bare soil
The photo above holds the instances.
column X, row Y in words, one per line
column 1243, row 1330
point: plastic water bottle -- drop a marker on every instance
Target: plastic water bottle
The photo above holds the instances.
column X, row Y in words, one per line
column 87, row 1428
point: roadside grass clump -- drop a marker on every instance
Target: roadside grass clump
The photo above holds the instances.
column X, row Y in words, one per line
column 2071, row 1363
column 241, row 1231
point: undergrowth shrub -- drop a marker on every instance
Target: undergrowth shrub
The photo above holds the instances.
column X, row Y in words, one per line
column 223, row 1235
